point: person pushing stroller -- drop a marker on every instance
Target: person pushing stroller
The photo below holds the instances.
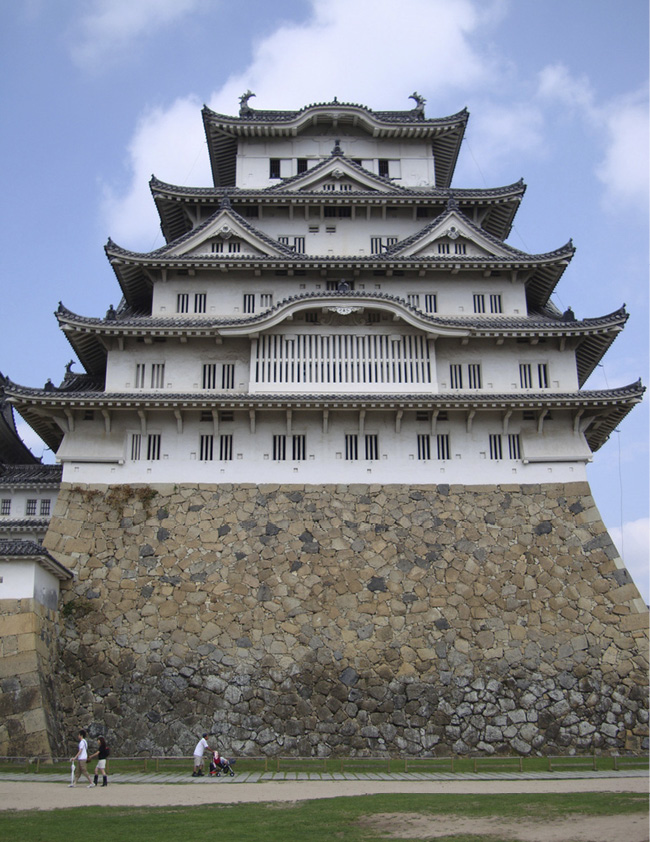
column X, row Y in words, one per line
column 201, row 746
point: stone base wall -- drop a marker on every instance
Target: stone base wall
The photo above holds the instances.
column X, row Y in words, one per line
column 29, row 725
column 319, row 620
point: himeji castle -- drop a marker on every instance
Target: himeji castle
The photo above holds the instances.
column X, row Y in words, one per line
column 324, row 472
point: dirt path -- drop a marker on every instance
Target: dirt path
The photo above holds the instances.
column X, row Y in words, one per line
column 632, row 828
column 49, row 796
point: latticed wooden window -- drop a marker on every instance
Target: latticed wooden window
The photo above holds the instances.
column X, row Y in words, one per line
column 442, row 444
column 372, row 446
column 514, row 446
column 298, row 451
column 496, row 305
column 139, row 375
column 228, row 376
column 456, row 376
column 351, row 447
column 206, row 448
column 424, row 447
column 279, row 448
column 225, row 447
column 209, row 376
column 542, row 375
column 525, row 376
column 474, row 379
column 157, row 375
column 153, row 447
column 431, row 302
column 136, row 446
column 496, row 447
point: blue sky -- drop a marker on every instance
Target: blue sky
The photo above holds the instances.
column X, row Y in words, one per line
column 99, row 94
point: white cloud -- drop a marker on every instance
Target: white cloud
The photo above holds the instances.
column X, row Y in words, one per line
column 621, row 125
column 170, row 143
column 109, row 27
column 633, row 542
column 624, row 169
column 499, row 133
column 557, row 84
column 329, row 55
column 426, row 45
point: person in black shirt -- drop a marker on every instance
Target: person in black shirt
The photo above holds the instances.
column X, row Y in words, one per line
column 101, row 754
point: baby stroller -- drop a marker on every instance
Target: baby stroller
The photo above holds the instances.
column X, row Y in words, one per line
column 220, row 764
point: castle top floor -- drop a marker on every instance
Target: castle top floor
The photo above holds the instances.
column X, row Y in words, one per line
column 257, row 148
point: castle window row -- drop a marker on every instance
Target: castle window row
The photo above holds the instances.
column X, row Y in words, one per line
column 199, row 300
column 219, row 247
column 210, row 378
column 287, row 167
column 196, row 303
column 342, row 359
column 294, row 448
column 32, row 507
column 473, row 379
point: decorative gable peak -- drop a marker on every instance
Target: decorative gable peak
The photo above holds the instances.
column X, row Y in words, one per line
column 227, row 234
column 451, row 234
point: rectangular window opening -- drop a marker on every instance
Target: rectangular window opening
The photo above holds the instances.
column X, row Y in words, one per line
column 153, row 447
column 206, row 448
column 351, row 447
column 424, row 447
column 496, row 447
column 279, row 448
column 372, row 447
column 496, row 305
column 228, row 376
column 442, row 443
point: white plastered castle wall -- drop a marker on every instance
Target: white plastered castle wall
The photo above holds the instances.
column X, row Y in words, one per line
column 562, row 452
column 416, row 161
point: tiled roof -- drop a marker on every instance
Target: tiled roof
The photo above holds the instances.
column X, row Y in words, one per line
column 23, row 523
column 427, row 192
column 537, row 321
column 12, row 448
column 609, row 405
column 480, row 397
column 501, row 203
column 30, row 474
column 407, row 116
column 30, row 549
column 17, row 547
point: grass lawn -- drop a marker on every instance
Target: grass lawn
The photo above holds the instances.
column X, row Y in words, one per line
column 322, row 820
column 602, row 763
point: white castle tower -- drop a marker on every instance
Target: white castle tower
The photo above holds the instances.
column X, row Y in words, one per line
column 333, row 315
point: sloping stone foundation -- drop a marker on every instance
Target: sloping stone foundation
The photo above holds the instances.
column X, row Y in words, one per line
column 29, row 721
column 349, row 619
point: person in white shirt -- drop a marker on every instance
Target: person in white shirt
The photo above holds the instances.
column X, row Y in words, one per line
column 201, row 746
column 81, row 757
